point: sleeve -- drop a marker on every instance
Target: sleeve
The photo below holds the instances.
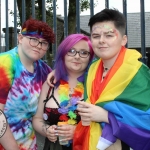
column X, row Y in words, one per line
column 6, row 76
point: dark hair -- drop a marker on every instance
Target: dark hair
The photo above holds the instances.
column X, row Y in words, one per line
column 32, row 26
column 64, row 47
column 110, row 15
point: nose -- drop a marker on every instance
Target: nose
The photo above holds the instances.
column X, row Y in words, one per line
column 102, row 39
column 77, row 55
column 39, row 45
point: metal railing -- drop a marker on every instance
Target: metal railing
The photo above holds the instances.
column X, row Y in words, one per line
column 65, row 21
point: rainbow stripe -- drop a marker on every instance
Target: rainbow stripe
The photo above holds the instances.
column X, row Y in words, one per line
column 125, row 93
column 31, row 33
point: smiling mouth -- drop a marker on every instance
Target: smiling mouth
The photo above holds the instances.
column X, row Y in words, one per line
column 76, row 63
column 103, row 48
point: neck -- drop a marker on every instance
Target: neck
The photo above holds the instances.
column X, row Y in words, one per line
column 74, row 76
column 110, row 62
column 27, row 63
column 73, row 79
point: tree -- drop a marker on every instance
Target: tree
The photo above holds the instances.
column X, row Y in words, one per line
column 38, row 8
column 84, row 5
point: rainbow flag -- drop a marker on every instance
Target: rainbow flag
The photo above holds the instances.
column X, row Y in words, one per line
column 125, row 93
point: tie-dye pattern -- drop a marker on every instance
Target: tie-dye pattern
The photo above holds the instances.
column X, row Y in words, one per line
column 19, row 91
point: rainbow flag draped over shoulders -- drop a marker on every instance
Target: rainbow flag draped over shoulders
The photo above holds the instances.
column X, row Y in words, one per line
column 125, row 93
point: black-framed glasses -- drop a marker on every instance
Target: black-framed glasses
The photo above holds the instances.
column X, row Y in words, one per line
column 82, row 53
column 35, row 42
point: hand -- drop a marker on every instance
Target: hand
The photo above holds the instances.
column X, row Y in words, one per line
column 51, row 133
column 66, row 131
column 90, row 112
column 50, row 79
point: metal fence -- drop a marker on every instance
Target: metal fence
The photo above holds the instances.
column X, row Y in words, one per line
column 15, row 30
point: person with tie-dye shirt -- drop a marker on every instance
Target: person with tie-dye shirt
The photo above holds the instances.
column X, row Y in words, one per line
column 22, row 73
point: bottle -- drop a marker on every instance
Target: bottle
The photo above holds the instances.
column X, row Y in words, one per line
column 60, row 137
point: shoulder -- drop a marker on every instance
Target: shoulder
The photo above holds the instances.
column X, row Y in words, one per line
column 45, row 89
column 9, row 56
column 133, row 53
column 43, row 67
column 95, row 62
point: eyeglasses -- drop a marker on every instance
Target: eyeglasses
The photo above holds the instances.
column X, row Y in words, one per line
column 82, row 53
column 35, row 42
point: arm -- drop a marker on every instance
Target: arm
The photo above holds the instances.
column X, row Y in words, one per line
column 38, row 122
column 51, row 132
column 9, row 136
column 6, row 78
column 90, row 112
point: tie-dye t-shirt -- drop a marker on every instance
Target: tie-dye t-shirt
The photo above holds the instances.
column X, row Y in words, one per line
column 19, row 91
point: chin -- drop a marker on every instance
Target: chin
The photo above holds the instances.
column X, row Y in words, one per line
column 35, row 59
column 76, row 70
column 98, row 55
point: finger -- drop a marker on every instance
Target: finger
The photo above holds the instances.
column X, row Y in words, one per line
column 80, row 102
column 54, row 127
column 54, row 81
column 84, row 110
column 83, row 104
column 61, row 132
column 50, row 83
column 51, row 131
column 52, row 139
column 50, row 79
column 64, row 127
column 51, row 136
column 64, row 133
column 85, row 115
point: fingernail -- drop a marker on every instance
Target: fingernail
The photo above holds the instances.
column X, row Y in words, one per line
column 55, row 131
column 57, row 127
column 61, row 140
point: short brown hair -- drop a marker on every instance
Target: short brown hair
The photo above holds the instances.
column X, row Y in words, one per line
column 32, row 26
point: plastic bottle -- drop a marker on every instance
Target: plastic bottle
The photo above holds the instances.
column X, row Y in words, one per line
column 60, row 137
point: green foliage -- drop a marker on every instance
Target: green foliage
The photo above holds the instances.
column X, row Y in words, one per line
column 85, row 4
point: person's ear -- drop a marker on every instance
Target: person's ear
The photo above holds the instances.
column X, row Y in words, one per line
column 124, row 40
column 20, row 37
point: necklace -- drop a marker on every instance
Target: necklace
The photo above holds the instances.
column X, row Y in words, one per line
column 104, row 72
column 68, row 103
column 106, row 69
